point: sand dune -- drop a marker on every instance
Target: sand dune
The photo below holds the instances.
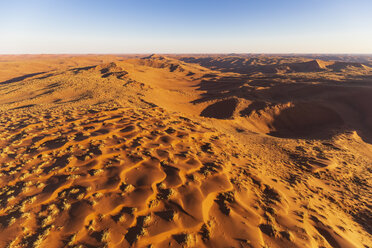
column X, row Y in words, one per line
column 181, row 151
column 277, row 64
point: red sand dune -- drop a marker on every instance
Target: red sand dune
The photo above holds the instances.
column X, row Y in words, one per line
column 185, row 151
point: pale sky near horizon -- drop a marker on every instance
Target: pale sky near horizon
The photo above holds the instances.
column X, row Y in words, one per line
column 185, row 26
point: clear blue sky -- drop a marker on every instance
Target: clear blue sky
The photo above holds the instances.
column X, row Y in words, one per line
column 185, row 26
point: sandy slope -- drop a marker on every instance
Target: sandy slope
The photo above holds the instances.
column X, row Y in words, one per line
column 180, row 151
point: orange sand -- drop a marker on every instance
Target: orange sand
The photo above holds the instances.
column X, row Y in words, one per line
column 185, row 151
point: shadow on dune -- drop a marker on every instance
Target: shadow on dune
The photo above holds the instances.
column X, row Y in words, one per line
column 306, row 120
column 272, row 64
column 17, row 79
column 85, row 68
column 24, row 106
column 220, row 110
column 286, row 109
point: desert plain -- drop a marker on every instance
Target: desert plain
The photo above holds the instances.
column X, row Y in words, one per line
column 232, row 150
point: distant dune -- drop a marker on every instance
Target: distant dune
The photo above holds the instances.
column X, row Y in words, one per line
column 185, row 151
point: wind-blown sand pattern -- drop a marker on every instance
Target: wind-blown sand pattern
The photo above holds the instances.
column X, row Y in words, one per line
column 181, row 151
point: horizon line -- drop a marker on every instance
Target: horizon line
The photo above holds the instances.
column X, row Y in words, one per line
column 195, row 53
